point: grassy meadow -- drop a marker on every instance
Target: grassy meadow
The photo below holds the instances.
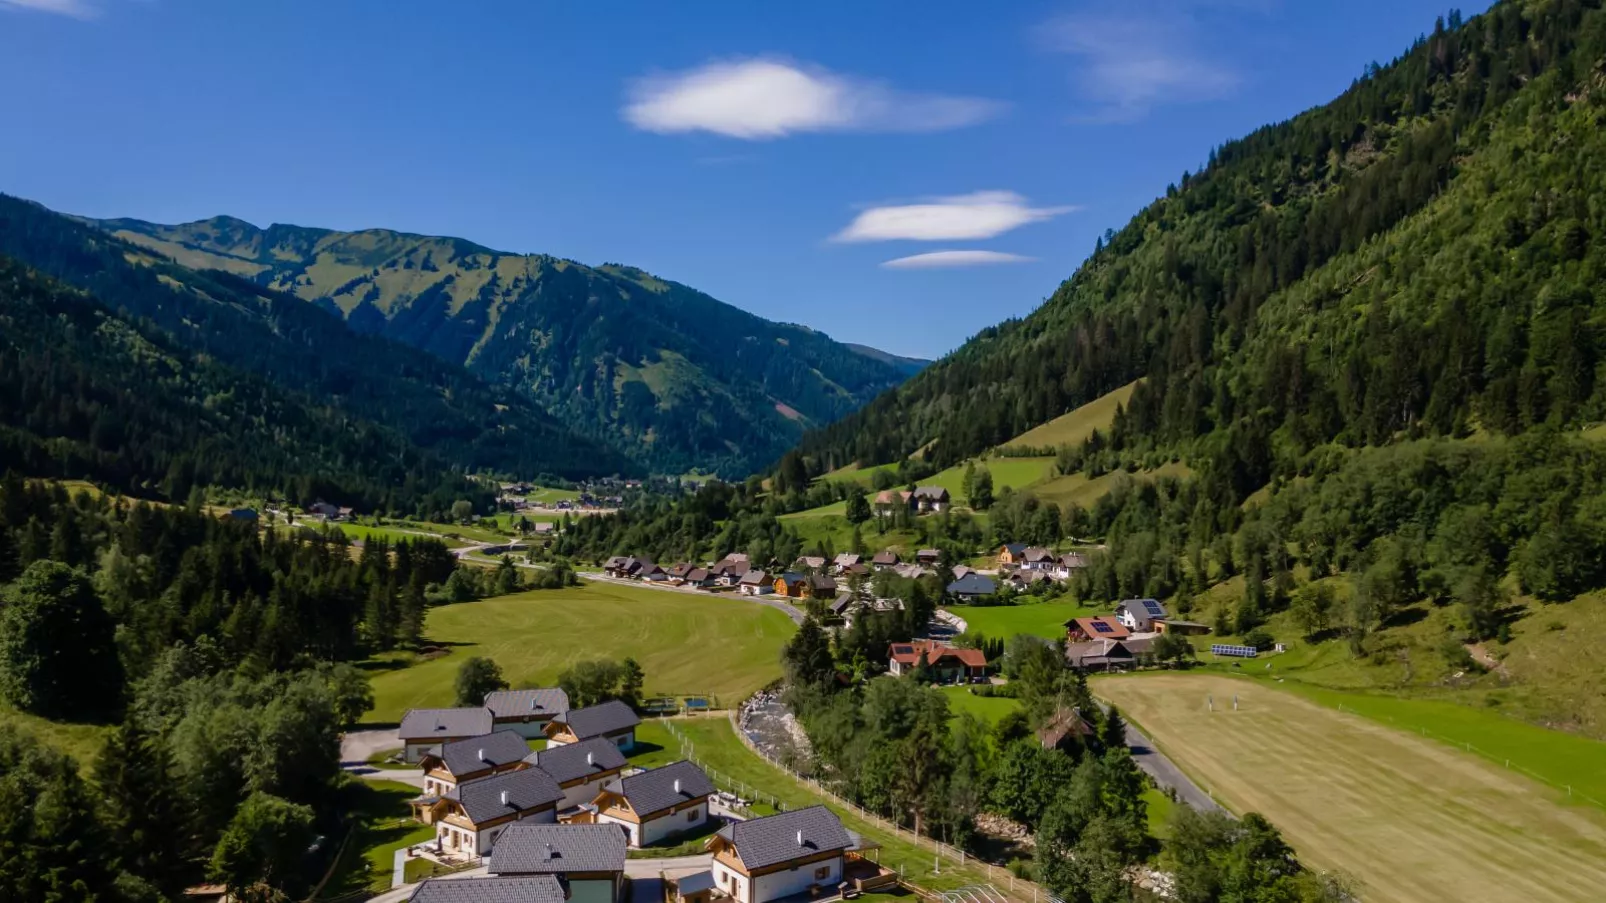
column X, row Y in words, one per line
column 719, row 645
column 1044, row 619
column 1417, row 820
column 990, row 709
column 1074, row 427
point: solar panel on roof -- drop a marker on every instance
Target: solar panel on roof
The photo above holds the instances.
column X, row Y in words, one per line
column 1153, row 607
column 1101, row 627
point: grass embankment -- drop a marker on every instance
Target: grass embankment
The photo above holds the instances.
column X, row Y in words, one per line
column 1414, row 818
column 990, row 709
column 1044, row 619
column 1073, row 428
column 717, row 645
column 81, row 741
column 384, row 825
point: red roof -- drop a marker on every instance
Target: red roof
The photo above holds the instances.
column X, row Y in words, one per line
column 1101, row 628
column 909, row 654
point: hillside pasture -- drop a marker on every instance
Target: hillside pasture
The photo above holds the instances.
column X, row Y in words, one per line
column 1079, row 489
column 686, row 643
column 1044, row 619
column 1074, row 427
column 1416, row 820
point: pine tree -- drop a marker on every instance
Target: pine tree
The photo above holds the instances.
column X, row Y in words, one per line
column 148, row 822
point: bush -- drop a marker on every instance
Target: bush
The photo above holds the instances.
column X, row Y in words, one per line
column 1259, row 639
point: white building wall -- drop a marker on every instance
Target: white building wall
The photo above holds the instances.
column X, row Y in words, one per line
column 659, row 828
column 795, row 881
column 580, row 794
column 526, row 729
column 632, row 830
column 728, row 881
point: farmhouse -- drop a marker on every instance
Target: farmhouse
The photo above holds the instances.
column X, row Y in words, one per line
column 930, row 499
column 1036, row 558
column 655, row 805
column 971, row 587
column 1099, row 655
column 947, row 664
column 612, row 720
column 699, row 577
column 1139, row 615
column 677, row 574
column 765, row 859
column 928, row 556
column 886, row 558
column 887, row 502
column 1067, row 730
column 466, row 760
column 424, row 730
column 1012, row 553
column 1099, row 628
column 809, row 563
column 470, row 818
column 581, row 769
column 845, row 560
column 539, row 889
column 756, row 583
column 526, row 711
column 1069, row 564
column 589, row 860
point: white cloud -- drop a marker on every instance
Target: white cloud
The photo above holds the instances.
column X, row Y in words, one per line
column 967, row 258
column 965, row 217
column 77, row 9
column 760, row 98
column 1130, row 63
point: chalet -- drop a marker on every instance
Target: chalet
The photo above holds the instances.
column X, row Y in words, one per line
column 589, row 860
column 793, row 853
column 845, row 560
column 1139, row 615
column 474, row 814
column 756, row 583
column 526, row 711
column 1037, row 558
column 535, row 889
column 888, row 501
column 842, row 607
column 1027, row 580
column 650, row 572
column 792, row 585
column 1098, row 655
column 544, row 528
column 859, row 569
column 653, row 806
column 581, row 769
column 961, row 570
column 971, row 587
column 886, row 558
column 928, row 556
column 1067, row 730
column 912, row 571
column 947, row 664
column 324, row 510
column 612, row 720
column 468, row 760
column 677, row 574
column 1068, row 564
column 930, row 499
column 700, row 577
column 809, row 563
column 819, row 586
column 619, row 566
column 1103, row 627
column 1012, row 553
column 424, row 730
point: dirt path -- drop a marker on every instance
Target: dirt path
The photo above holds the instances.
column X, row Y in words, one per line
column 1417, row 821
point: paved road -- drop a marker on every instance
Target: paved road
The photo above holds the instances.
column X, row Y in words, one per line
column 785, row 608
column 1165, row 772
column 357, row 747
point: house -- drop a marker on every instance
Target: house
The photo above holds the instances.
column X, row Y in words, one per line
column 809, row 563
column 424, row 730
column 791, row 585
column 1012, row 553
column 544, row 528
column 700, row 577
column 887, row 502
column 842, row 607
column 1069, row 564
column 1181, row 628
column 1037, row 558
column 581, row 769
column 646, row 570
column 677, row 574
column 912, row 571
column 324, row 510
column 526, row 711
column 535, row 889
column 960, row 570
column 756, row 583
column 971, row 587
column 619, row 566
column 1139, row 615
column 946, row 664
column 846, row 560
column 930, row 499
column 467, row 760
column 1103, row 627
column 928, row 556
column 793, row 853
column 612, row 720
column 855, row 570
column 245, row 515
column 1026, row 580
column 1098, row 655
column 886, row 558
column 653, row 806
column 819, row 586
column 1067, row 730
column 588, row 860
column 471, row 816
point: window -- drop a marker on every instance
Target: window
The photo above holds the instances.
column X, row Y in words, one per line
column 691, row 815
column 822, row 873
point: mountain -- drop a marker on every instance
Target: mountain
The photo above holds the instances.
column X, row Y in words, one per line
column 427, row 419
column 672, row 376
column 1422, row 256
column 909, row 365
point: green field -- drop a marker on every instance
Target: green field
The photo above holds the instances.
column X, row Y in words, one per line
column 686, row 643
column 1078, row 489
column 363, row 532
column 1074, row 428
column 81, row 741
column 857, row 474
column 384, row 824
column 990, row 709
column 1044, row 619
column 1413, row 818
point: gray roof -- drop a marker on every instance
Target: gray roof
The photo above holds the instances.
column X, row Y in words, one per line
column 578, row 760
column 692, row 883
column 973, row 584
column 755, row 578
column 540, row 701
column 600, row 720
column 842, row 602
column 931, row 492
column 478, row 753
column 527, row 788
column 445, row 724
column 1143, row 608
column 763, row 842
column 558, row 849
column 534, row 889
column 655, row 790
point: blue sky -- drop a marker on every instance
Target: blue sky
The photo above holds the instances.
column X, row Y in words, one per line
column 895, row 173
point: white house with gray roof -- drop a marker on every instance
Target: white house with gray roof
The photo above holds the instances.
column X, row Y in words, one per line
column 589, row 860
column 526, row 711
column 653, row 806
column 581, row 769
column 474, row 814
column 612, row 720
column 765, row 859
column 425, row 730
column 532, row 889
column 467, row 760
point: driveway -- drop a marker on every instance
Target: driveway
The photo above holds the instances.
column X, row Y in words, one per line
column 1165, row 773
column 357, row 747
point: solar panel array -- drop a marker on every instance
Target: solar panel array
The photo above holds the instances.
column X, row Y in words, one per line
column 1234, row 651
column 1101, row 627
column 1153, row 608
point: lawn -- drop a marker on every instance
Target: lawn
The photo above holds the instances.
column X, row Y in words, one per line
column 1078, row 489
column 716, row 645
column 854, row 472
column 384, row 825
column 81, row 741
column 1074, row 428
column 1015, row 473
column 990, row 709
column 363, row 532
column 1415, row 819
column 1044, row 619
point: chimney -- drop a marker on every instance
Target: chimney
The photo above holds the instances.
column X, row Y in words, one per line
column 589, row 758
column 800, row 837
column 550, row 853
column 504, row 802
column 482, row 755
column 677, row 786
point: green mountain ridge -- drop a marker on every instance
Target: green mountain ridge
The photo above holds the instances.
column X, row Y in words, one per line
column 668, row 374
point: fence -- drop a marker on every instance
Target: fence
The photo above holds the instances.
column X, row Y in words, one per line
column 1020, row 888
column 1483, row 753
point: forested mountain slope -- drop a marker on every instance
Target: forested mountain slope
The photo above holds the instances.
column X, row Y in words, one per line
column 1424, row 255
column 424, row 407
column 675, row 377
